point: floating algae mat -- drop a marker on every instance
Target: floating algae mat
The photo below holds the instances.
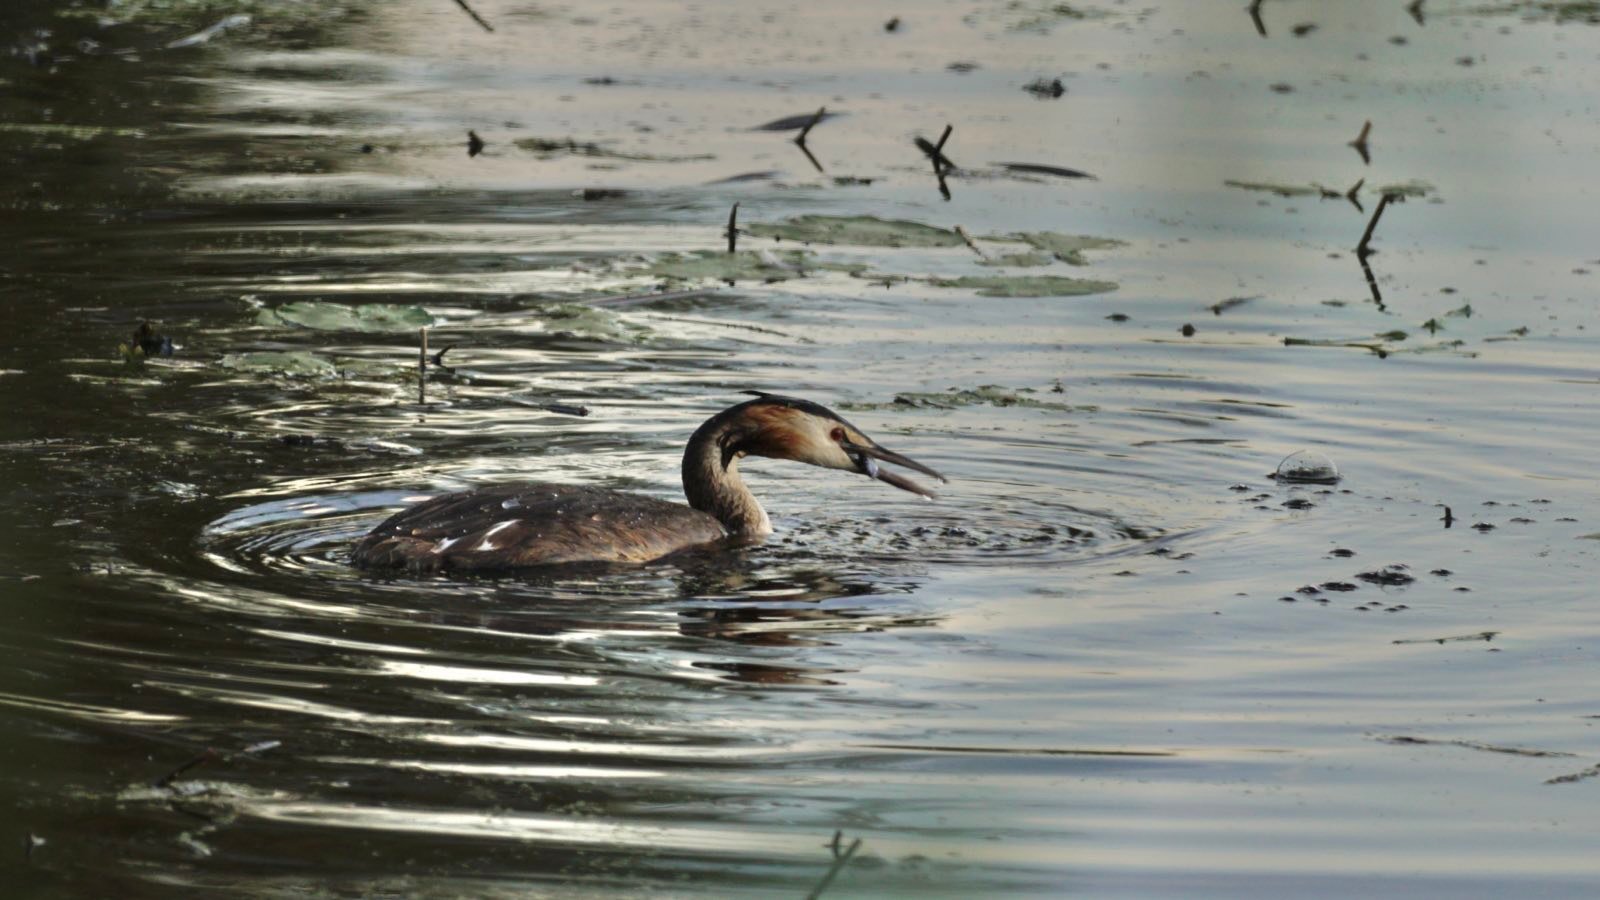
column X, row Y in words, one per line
column 984, row 395
column 321, row 316
column 1066, row 247
column 297, row 362
column 1026, row 285
column 746, row 265
column 1019, row 260
column 859, row 231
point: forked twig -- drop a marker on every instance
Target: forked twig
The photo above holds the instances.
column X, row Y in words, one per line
column 840, row 860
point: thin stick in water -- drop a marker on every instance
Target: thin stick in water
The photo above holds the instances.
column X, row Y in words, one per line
column 800, row 139
column 422, row 368
column 1362, row 250
column 733, row 228
column 475, row 17
column 966, row 236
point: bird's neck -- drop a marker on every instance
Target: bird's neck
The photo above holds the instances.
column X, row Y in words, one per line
column 712, row 483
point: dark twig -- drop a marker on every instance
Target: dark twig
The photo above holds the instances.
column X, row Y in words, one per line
column 733, row 228
column 1255, row 16
column 840, row 860
column 475, row 17
column 1362, row 250
column 805, row 132
column 211, row 754
column 1372, row 283
column 800, row 139
column 205, row 756
column 1360, row 143
column 438, row 359
column 973, row 245
column 935, row 154
column 565, row 409
column 1353, row 195
column 422, row 368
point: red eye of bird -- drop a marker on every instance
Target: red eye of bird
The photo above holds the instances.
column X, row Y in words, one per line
column 838, row 434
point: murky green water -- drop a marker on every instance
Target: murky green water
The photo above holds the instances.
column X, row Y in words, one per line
column 1087, row 669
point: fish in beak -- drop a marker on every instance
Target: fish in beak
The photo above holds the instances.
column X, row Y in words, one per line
column 866, row 457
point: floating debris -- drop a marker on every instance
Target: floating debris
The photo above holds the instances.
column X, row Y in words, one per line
column 1388, row 576
column 1040, row 169
column 475, row 144
column 1045, row 90
column 1471, row 745
column 1484, row 636
column 1221, row 305
column 548, row 148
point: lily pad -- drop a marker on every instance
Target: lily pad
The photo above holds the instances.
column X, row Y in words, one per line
column 321, row 316
column 746, row 265
column 858, row 231
column 1067, row 247
column 1026, row 285
column 295, row 362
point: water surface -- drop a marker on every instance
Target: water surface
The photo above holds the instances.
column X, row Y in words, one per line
column 1088, row 668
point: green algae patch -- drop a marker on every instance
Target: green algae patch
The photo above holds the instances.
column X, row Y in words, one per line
column 1026, row 285
column 984, row 395
column 294, row 363
column 1068, row 248
column 857, row 231
column 1019, row 260
column 1282, row 190
column 746, row 265
column 580, row 322
column 320, row 316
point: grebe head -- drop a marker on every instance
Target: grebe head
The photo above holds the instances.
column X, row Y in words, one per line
column 790, row 428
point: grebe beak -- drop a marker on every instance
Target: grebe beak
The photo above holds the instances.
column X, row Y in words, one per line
column 866, row 459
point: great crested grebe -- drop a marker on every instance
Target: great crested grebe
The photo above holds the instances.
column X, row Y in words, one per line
column 516, row 525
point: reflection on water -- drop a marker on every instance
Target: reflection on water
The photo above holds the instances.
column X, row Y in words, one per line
column 1113, row 658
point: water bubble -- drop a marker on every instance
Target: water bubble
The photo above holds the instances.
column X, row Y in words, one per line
column 1307, row 467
